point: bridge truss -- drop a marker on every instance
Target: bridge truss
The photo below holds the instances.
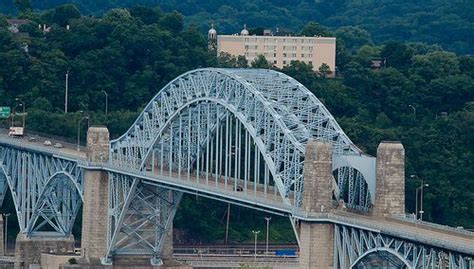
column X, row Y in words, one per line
column 46, row 189
column 357, row 248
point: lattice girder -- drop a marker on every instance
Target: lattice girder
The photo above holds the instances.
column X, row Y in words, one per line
column 43, row 187
column 353, row 245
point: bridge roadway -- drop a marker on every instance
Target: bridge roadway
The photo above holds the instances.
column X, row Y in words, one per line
column 400, row 227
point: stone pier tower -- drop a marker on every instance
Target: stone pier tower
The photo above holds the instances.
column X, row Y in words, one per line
column 390, row 183
column 316, row 239
column 94, row 216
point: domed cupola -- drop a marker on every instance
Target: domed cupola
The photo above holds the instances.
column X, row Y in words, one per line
column 244, row 31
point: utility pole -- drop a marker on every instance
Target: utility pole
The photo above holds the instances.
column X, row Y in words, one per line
column 66, row 92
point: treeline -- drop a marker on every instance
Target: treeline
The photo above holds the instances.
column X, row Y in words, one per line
column 443, row 22
column 420, row 95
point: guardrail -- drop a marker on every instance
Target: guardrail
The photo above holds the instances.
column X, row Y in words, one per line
column 407, row 218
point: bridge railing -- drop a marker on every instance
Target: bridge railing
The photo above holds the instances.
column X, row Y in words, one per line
column 393, row 231
column 409, row 218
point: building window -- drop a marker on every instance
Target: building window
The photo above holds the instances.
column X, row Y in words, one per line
column 246, row 47
column 293, row 55
column 284, row 62
column 284, row 55
column 275, row 62
column 302, row 55
column 310, row 62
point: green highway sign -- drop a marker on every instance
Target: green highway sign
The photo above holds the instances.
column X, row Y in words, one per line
column 5, row 112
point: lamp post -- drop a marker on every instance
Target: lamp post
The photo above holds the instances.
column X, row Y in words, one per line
column 256, row 235
column 13, row 114
column 421, row 201
column 24, row 110
column 66, row 91
column 418, row 189
column 266, row 241
column 6, row 231
column 79, row 131
column 106, row 102
column 414, row 111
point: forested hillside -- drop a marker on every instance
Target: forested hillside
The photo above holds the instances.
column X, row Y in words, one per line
column 422, row 95
column 444, row 22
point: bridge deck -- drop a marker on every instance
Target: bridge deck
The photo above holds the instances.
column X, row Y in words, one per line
column 424, row 232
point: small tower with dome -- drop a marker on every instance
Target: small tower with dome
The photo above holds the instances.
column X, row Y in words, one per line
column 244, row 31
column 212, row 38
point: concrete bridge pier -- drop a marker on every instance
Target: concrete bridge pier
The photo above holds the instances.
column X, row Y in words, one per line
column 95, row 207
column 316, row 239
column 95, row 211
column 390, row 182
column 28, row 249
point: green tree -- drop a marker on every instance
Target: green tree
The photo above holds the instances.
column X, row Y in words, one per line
column 435, row 64
column 261, row 62
column 173, row 22
column 242, row 62
column 353, row 37
column 396, row 54
column 315, row 29
column 23, row 6
column 64, row 13
column 324, row 70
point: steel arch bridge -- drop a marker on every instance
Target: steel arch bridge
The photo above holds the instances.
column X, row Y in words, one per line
column 207, row 122
column 237, row 135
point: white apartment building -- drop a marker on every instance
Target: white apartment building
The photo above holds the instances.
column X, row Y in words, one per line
column 279, row 50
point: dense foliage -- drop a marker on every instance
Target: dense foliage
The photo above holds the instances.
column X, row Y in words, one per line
column 421, row 95
column 447, row 23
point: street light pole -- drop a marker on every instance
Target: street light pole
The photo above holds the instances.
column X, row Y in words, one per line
column 106, row 102
column 256, row 235
column 6, row 231
column 66, row 91
column 266, row 241
column 421, row 202
column 227, row 224
column 79, row 131
column 420, row 188
column 414, row 111
column 24, row 110
column 13, row 114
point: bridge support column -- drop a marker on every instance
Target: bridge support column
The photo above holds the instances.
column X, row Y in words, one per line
column 390, row 184
column 28, row 249
column 317, row 239
column 95, row 208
